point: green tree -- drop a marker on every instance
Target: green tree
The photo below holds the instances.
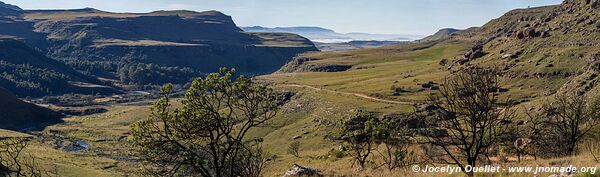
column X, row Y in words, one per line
column 360, row 133
column 207, row 135
column 395, row 141
column 294, row 148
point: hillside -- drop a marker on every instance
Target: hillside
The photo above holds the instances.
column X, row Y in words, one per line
column 17, row 115
column 89, row 39
column 27, row 72
column 540, row 51
column 441, row 34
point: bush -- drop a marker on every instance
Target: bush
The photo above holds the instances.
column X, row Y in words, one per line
column 294, row 148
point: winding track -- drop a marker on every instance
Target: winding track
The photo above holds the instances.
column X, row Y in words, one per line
column 349, row 93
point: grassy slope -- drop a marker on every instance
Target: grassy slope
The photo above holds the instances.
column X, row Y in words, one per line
column 374, row 71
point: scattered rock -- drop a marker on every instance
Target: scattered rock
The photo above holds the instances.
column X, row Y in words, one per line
column 297, row 170
column 296, row 137
column 284, row 97
column 475, row 52
column 426, row 108
column 528, row 32
column 505, row 56
column 329, row 68
column 430, row 85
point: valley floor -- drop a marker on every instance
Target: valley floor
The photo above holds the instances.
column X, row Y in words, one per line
column 308, row 118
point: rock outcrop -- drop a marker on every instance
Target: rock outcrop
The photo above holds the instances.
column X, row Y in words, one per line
column 204, row 41
column 304, row 64
column 297, row 170
column 475, row 52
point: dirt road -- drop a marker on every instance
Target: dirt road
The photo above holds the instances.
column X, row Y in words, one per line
column 349, row 93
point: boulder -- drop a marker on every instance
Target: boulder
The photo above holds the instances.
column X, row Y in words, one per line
column 430, row 85
column 297, row 170
column 284, row 97
column 426, row 108
column 475, row 52
column 505, row 56
column 528, row 32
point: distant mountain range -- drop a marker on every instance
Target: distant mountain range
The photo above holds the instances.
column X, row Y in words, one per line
column 323, row 35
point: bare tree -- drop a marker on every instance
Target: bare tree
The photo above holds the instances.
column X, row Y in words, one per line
column 12, row 162
column 564, row 122
column 468, row 119
column 207, row 135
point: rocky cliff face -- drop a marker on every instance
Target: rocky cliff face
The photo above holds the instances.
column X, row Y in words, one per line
column 201, row 40
column 557, row 44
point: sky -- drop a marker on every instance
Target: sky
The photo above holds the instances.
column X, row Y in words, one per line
column 415, row 17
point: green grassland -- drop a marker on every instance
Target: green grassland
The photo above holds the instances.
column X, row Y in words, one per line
column 311, row 117
column 375, row 71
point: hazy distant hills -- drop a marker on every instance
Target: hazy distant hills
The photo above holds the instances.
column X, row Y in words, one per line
column 323, row 35
column 352, row 45
column 102, row 44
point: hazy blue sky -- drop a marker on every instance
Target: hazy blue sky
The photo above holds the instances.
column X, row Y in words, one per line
column 373, row 16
